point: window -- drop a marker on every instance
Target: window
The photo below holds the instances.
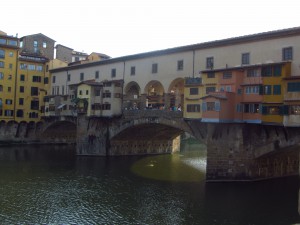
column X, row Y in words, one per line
column 46, row 80
column 10, row 66
column 2, row 54
column 293, row 87
column 44, row 45
column 228, row 88
column 271, row 110
column 295, row 109
column 180, row 65
column 11, row 54
column 252, row 73
column 154, row 68
column 69, row 77
column 53, row 79
column 31, row 67
column 97, row 92
column 194, row 91
column 34, row 105
column 227, row 75
column 117, row 95
column 1, row 64
column 106, row 106
column 238, row 108
column 34, row 91
column 20, row 113
column 8, row 112
column 1, row 76
column 266, row 71
column 36, row 79
column 209, row 62
column 86, row 92
column 210, row 106
column 193, row 108
column 22, row 77
column 1, row 88
column 22, row 89
column 96, row 74
column 2, row 41
column 106, row 95
column 287, row 53
column 276, row 89
column 211, row 75
column 8, row 102
column 267, row 89
column 80, row 92
column 277, row 71
column 132, row 70
column 39, row 68
column 113, row 73
column 245, row 58
column 210, row 89
column 251, row 108
column 9, row 89
column 35, row 44
column 23, row 66
column 21, row 101
column 12, row 42
column 252, row 89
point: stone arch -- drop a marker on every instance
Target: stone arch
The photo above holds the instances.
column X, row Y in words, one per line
column 154, row 91
column 132, row 88
column 59, row 132
column 144, row 137
column 176, row 92
column 132, row 96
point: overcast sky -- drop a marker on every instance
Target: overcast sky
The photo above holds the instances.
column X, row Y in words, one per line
column 125, row 27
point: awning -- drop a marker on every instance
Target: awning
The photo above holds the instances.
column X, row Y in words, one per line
column 60, row 106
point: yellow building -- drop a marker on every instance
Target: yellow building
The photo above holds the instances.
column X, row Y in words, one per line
column 30, row 87
column 273, row 90
column 193, row 91
column 9, row 50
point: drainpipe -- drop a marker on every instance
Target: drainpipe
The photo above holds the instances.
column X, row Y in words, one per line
column 16, row 81
column 122, row 96
column 193, row 63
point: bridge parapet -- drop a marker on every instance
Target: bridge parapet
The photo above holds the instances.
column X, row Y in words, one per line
column 136, row 114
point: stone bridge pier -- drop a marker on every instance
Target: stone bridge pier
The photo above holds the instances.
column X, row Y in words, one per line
column 249, row 151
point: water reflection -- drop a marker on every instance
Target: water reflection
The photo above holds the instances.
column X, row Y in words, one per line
column 47, row 185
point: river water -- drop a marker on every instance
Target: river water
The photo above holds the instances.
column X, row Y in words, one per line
column 50, row 185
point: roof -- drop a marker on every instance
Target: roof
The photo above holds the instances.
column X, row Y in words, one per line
column 39, row 34
column 64, row 47
column 214, row 95
column 101, row 54
column 205, row 45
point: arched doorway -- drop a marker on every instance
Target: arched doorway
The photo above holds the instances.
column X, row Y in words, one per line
column 155, row 95
column 176, row 93
column 132, row 96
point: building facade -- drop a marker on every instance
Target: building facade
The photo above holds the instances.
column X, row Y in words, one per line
column 247, row 77
column 9, row 51
column 37, row 44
